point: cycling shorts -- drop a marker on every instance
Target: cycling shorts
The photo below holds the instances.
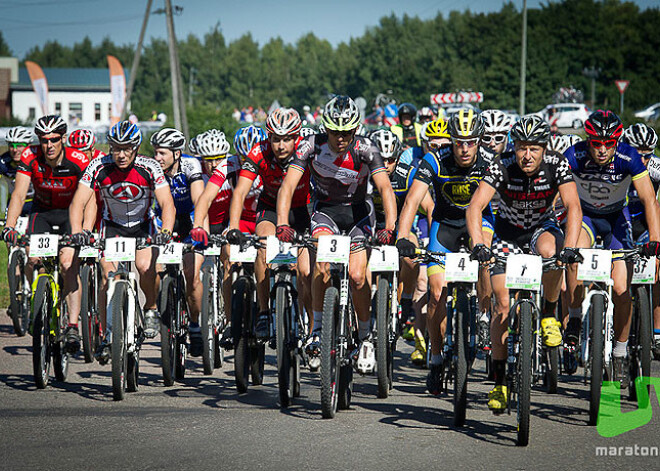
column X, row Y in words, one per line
column 614, row 229
column 509, row 239
column 446, row 238
column 298, row 217
column 53, row 221
column 247, row 227
column 110, row 229
column 640, row 231
column 357, row 221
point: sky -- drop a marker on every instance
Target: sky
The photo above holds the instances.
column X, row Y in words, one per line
column 28, row 23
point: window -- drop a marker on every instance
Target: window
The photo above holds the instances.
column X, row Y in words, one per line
column 109, row 111
column 97, row 111
column 75, row 113
column 32, row 113
column 58, row 109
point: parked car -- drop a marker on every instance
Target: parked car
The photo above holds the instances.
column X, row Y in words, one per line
column 649, row 112
column 565, row 115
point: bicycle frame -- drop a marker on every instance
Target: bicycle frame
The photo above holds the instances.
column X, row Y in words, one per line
column 128, row 278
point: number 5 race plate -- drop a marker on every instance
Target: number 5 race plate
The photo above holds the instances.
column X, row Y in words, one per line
column 597, row 265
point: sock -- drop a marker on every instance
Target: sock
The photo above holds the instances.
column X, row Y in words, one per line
column 499, row 368
column 318, row 320
column 575, row 313
column 363, row 329
column 72, row 325
column 549, row 308
column 485, row 317
column 620, row 349
column 194, row 327
column 436, row 359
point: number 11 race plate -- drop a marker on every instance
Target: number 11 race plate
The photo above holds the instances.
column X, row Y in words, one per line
column 119, row 249
column 524, row 272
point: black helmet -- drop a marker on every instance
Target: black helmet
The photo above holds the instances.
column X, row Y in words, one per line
column 407, row 108
column 531, row 128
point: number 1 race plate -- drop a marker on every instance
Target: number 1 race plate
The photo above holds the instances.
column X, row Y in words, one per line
column 524, row 272
column 280, row 253
column 43, row 245
column 644, row 271
column 170, row 254
column 119, row 249
column 247, row 255
column 384, row 258
column 597, row 265
column 459, row 268
column 333, row 249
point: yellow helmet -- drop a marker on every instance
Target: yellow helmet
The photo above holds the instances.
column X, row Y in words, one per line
column 436, row 129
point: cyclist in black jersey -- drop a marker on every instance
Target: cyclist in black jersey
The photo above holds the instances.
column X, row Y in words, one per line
column 527, row 180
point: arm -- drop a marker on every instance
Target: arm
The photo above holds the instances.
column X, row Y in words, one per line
column 428, row 205
column 89, row 218
column 416, row 195
column 646, row 194
column 168, row 211
column 21, row 187
column 238, row 200
column 203, row 204
column 285, row 194
column 80, row 200
column 382, row 183
column 571, row 200
column 196, row 190
column 473, row 215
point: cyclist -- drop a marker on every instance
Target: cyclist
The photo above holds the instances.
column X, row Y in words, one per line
column 84, row 140
column 184, row 175
column 425, row 115
column 340, row 164
column 244, row 140
column 17, row 138
column 407, row 130
column 604, row 167
column 455, row 174
column 128, row 184
column 497, row 125
column 54, row 172
column 527, row 180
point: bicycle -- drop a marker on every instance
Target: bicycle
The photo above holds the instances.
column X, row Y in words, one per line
column 49, row 312
column 641, row 328
column 90, row 317
column 19, row 286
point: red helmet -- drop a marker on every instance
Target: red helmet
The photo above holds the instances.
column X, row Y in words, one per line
column 81, row 139
column 603, row 125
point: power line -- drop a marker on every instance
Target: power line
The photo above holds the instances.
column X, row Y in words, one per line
column 91, row 22
column 10, row 4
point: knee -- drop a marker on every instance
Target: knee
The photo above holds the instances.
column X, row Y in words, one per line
column 358, row 277
column 144, row 267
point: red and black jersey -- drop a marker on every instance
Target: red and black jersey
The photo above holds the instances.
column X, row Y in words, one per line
column 261, row 162
column 53, row 187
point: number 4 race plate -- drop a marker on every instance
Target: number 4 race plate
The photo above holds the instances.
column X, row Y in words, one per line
column 119, row 249
column 43, row 245
column 333, row 249
column 459, row 268
column 385, row 258
column 524, row 272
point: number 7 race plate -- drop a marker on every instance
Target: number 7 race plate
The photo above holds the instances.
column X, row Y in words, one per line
column 119, row 249
column 524, row 272
column 597, row 265
column 333, row 249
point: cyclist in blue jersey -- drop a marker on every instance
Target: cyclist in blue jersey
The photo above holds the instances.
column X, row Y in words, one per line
column 17, row 139
column 604, row 167
column 184, row 175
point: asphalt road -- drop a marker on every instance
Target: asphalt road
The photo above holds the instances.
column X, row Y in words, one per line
column 202, row 423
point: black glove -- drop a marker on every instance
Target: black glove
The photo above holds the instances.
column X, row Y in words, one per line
column 10, row 235
column 385, row 236
column 570, row 255
column 80, row 238
column 236, row 237
column 163, row 237
column 286, row 233
column 650, row 249
column 481, row 253
column 406, row 248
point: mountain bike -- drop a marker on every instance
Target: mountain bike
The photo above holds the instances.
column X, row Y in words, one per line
column 641, row 328
column 212, row 317
column 20, row 290
column 90, row 317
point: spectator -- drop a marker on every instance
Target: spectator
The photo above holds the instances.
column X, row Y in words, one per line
column 308, row 117
column 236, row 114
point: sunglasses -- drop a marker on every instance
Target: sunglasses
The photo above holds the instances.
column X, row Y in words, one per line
column 16, row 145
column 391, row 160
column 46, row 140
column 493, row 138
column 469, row 143
column 341, row 133
column 436, row 145
column 597, row 143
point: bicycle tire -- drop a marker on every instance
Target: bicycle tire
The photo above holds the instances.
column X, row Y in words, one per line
column 285, row 356
column 241, row 301
column 641, row 359
column 41, row 346
column 206, row 324
column 524, row 373
column 461, row 344
column 60, row 355
column 86, row 305
column 181, row 347
column 257, row 363
column 119, row 304
column 345, row 389
column 383, row 350
column 133, row 359
column 552, row 372
column 167, row 333
column 596, row 351
column 19, row 313
column 330, row 360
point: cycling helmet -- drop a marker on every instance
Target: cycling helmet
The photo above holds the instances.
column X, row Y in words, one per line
column 19, row 135
column 435, row 129
column 304, row 132
column 81, row 139
column 425, row 112
column 407, row 108
column 49, row 124
column 558, row 143
column 192, row 146
column 283, row 122
column 466, row 124
column 496, row 122
column 387, row 142
column 212, row 144
column 168, row 138
column 125, row 132
column 639, row 135
column 531, row 128
column 245, row 138
column 603, row 125
column 341, row 114
column 321, row 128
column 572, row 139
column 361, row 130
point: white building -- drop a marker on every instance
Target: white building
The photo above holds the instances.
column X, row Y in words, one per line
column 81, row 96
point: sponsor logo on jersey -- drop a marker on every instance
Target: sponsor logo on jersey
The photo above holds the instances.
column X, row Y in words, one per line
column 458, row 192
column 126, row 192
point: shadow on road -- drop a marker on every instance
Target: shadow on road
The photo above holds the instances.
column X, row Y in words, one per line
column 18, row 349
column 20, row 382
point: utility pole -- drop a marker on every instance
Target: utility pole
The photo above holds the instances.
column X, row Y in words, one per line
column 593, row 74
column 190, row 86
column 178, row 105
column 136, row 61
column 523, row 59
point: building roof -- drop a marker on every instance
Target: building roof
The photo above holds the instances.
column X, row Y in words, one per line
column 68, row 79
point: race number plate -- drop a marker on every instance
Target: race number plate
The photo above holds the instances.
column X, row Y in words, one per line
column 213, row 250
column 247, row 255
column 21, row 224
column 170, row 254
column 644, row 271
column 89, row 252
column 524, row 272
column 333, row 249
column 384, row 258
column 280, row 253
column 119, row 249
column 459, row 268
column 597, row 265
column 43, row 245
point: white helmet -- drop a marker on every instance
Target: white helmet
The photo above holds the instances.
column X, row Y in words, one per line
column 50, row 124
column 19, row 135
column 192, row 146
column 387, row 142
column 572, row 139
column 557, row 143
column 168, row 138
column 641, row 135
column 212, row 143
column 496, row 122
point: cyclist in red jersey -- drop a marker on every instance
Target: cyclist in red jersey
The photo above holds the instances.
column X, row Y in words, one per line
column 54, row 172
column 270, row 161
column 84, row 141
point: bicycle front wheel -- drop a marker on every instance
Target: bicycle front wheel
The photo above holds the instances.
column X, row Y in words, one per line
column 60, row 355
column 640, row 363
column 596, row 352
column 462, row 317
column 41, row 342
column 119, row 310
column 20, row 312
column 524, row 372
column 206, row 322
column 87, row 307
column 167, row 306
column 241, row 311
column 286, row 355
column 383, row 350
column 330, row 358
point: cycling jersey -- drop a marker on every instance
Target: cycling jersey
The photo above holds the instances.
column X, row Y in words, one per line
column 8, row 168
column 53, row 187
column 97, row 153
column 634, row 203
column 603, row 188
column 261, row 162
column 338, row 178
column 127, row 194
column 527, row 201
column 409, row 136
column 189, row 171
column 225, row 176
